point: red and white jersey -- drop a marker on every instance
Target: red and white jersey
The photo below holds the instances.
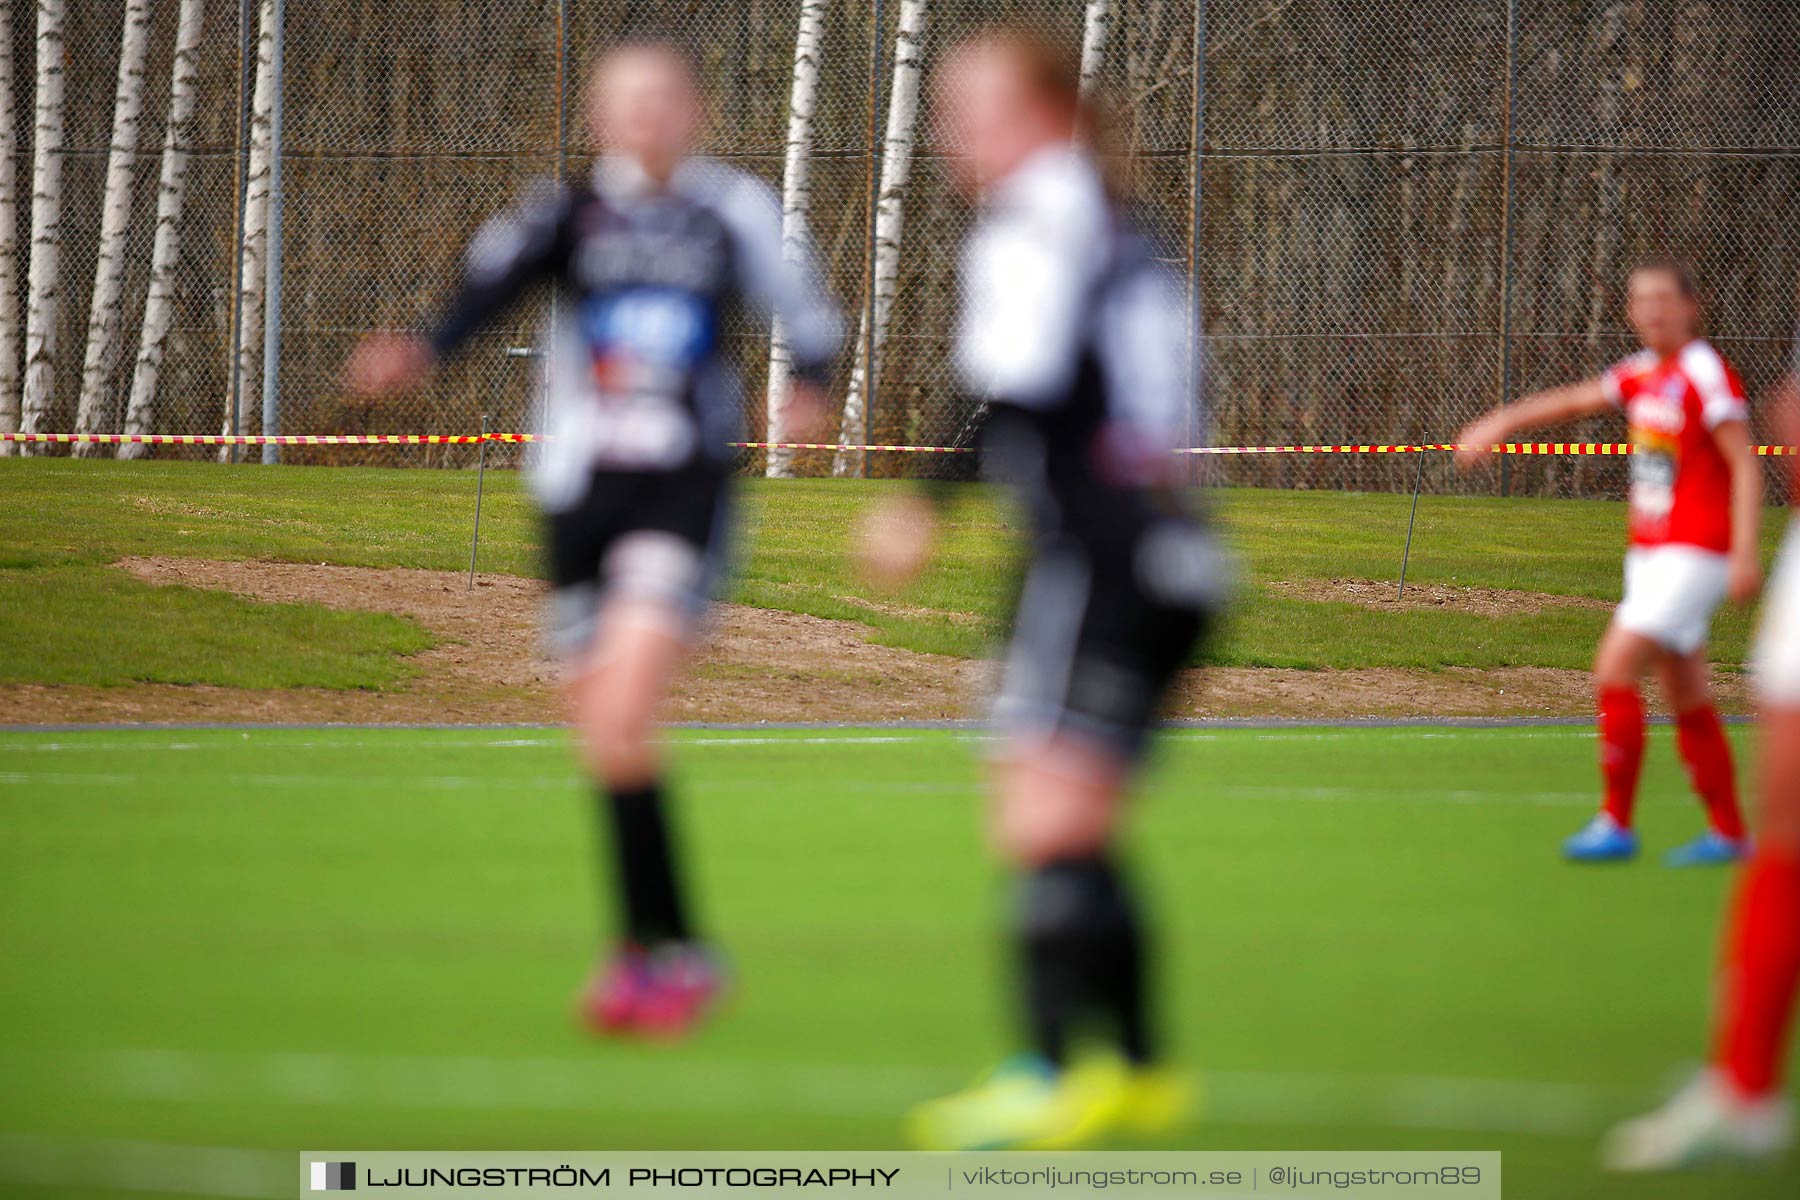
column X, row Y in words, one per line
column 1680, row 482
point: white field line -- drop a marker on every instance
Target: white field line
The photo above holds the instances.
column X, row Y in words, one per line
column 560, row 783
column 261, row 742
column 77, row 778
column 1409, row 732
column 1379, row 794
column 92, row 1164
column 1374, row 794
column 817, row 1091
column 681, row 1088
column 860, row 740
column 283, row 746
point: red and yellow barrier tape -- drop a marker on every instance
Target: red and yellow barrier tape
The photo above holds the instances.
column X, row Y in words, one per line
column 235, row 439
column 470, row 439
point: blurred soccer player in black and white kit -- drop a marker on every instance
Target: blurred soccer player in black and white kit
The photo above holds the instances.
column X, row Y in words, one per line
column 649, row 255
column 1074, row 339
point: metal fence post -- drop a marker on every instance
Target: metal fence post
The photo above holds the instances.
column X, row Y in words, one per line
column 234, row 369
column 1506, row 227
column 870, row 366
column 271, row 380
column 1196, row 205
column 562, row 171
column 562, row 88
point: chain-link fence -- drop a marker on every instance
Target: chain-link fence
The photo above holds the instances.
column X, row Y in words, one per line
column 1400, row 213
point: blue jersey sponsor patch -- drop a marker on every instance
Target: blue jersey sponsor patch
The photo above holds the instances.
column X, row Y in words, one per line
column 656, row 327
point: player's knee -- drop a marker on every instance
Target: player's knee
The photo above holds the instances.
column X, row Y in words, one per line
column 1059, row 802
column 1687, row 689
column 1687, row 698
column 1623, row 658
column 623, row 741
column 1034, row 834
column 615, row 736
column 1613, row 669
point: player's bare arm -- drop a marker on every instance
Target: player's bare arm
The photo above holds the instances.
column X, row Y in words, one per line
column 1556, row 406
column 807, row 412
column 1733, row 438
column 895, row 540
column 384, row 364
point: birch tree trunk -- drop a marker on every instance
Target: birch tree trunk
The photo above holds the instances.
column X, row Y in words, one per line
column 43, row 292
column 796, row 197
column 896, row 168
column 256, row 231
column 159, row 300
column 1093, row 42
column 105, row 310
column 9, row 241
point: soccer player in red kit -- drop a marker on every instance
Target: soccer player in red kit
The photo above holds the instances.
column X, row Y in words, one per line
column 1696, row 501
column 1735, row 1110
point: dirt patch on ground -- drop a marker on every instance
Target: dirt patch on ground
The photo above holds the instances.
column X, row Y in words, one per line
column 1407, row 692
column 1384, row 596
column 758, row 665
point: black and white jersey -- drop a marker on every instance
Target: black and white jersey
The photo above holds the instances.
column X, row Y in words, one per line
column 636, row 376
column 1075, row 340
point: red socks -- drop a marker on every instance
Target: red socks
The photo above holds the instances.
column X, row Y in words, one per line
column 1707, row 754
column 1621, row 750
column 1760, row 973
column 1701, row 737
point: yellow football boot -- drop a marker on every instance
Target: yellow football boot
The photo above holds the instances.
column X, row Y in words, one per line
column 1159, row 1099
column 1025, row 1104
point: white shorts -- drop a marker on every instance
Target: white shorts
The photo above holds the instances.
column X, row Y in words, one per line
column 1671, row 593
column 1775, row 663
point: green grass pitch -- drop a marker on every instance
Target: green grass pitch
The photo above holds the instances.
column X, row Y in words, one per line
column 75, row 619
column 273, row 939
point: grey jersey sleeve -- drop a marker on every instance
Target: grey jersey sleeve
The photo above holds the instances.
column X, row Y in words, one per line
column 1141, row 339
column 785, row 284
column 507, row 255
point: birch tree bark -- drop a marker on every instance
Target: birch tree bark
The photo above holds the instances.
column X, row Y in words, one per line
column 159, row 300
column 1093, row 42
column 896, row 169
column 256, row 231
column 43, row 293
column 796, row 195
column 105, row 309
column 9, row 241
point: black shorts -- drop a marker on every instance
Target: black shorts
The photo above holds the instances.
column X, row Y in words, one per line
column 1097, row 637
column 657, row 535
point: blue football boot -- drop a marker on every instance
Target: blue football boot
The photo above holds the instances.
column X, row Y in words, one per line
column 1710, row 849
column 1601, row 840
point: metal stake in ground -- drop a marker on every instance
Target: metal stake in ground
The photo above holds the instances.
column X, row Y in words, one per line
column 527, row 353
column 480, row 483
column 1406, row 555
